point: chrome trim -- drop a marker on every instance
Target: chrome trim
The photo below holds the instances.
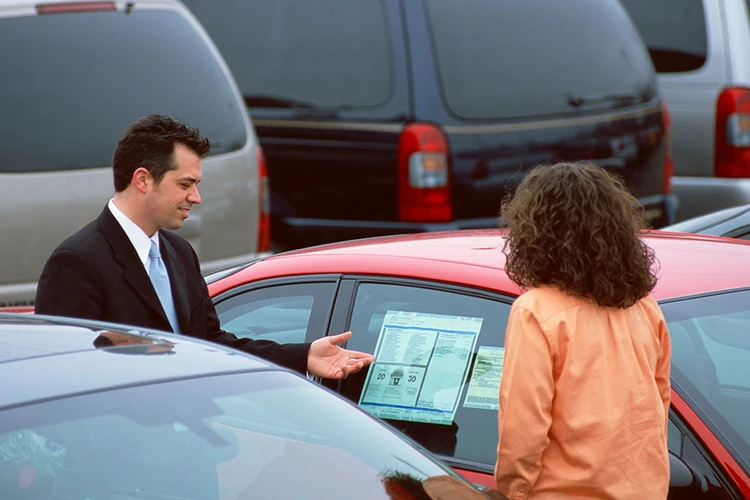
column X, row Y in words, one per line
column 331, row 125
column 558, row 122
column 462, row 129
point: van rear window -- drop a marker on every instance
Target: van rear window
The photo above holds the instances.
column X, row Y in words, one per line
column 71, row 83
column 303, row 54
column 530, row 58
column 674, row 31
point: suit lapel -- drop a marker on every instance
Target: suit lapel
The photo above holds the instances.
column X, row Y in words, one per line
column 134, row 274
column 178, row 282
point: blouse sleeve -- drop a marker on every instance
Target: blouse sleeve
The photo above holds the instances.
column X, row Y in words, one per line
column 663, row 368
column 525, row 414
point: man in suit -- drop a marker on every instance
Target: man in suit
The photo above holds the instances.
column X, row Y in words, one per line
column 124, row 267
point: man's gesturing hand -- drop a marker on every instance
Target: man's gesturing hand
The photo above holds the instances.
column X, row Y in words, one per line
column 326, row 359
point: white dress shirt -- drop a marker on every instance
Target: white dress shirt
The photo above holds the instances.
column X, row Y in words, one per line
column 140, row 240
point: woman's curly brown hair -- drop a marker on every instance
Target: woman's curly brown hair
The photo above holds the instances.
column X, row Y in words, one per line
column 576, row 227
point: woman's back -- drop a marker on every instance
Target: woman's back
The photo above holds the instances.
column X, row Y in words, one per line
column 607, row 432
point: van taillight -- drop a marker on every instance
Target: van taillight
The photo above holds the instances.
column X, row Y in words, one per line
column 732, row 149
column 60, row 8
column 666, row 183
column 264, row 200
column 423, row 175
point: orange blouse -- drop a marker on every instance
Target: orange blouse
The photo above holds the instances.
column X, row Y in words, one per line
column 584, row 400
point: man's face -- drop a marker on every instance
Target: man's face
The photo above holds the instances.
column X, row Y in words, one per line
column 169, row 201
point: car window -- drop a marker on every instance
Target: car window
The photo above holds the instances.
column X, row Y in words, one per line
column 674, row 32
column 683, row 444
column 254, row 435
column 528, row 58
column 742, row 233
column 710, row 348
column 72, row 83
column 436, row 376
column 282, row 313
column 674, row 437
column 296, row 53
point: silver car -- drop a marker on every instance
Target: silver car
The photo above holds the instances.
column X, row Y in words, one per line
column 103, row 413
column 73, row 76
column 732, row 222
column 701, row 50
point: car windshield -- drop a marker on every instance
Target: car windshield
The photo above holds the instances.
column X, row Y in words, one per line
column 254, row 435
column 710, row 351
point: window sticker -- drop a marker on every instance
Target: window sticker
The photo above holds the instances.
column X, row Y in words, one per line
column 421, row 364
column 484, row 385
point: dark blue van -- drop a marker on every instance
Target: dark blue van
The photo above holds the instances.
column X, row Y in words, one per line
column 399, row 116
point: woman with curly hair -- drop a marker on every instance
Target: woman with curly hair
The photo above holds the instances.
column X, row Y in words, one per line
column 585, row 387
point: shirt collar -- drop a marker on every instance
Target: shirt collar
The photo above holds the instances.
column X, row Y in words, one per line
column 139, row 239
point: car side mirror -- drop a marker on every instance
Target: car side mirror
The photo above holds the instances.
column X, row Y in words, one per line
column 684, row 483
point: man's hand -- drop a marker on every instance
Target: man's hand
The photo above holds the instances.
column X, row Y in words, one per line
column 326, row 359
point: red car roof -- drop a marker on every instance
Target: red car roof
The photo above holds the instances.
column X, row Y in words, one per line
column 689, row 263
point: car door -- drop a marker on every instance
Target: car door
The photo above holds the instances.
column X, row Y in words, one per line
column 285, row 310
column 439, row 351
column 459, row 331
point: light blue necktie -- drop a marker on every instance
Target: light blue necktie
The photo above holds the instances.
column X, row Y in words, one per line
column 160, row 280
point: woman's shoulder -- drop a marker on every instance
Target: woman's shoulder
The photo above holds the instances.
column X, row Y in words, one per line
column 649, row 304
column 545, row 302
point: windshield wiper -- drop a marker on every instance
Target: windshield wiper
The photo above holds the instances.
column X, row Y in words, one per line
column 272, row 101
column 619, row 98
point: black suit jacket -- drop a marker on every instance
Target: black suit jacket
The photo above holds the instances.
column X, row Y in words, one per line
column 96, row 274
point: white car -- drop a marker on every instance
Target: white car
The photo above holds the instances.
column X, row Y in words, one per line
column 701, row 51
column 73, row 76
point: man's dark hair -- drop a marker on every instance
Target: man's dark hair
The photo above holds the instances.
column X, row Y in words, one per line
column 149, row 143
column 576, row 227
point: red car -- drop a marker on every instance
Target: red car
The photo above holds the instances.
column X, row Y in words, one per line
column 433, row 309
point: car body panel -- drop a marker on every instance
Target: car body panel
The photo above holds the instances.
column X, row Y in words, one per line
column 490, row 160
column 45, row 356
column 692, row 102
column 736, row 17
column 474, row 258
